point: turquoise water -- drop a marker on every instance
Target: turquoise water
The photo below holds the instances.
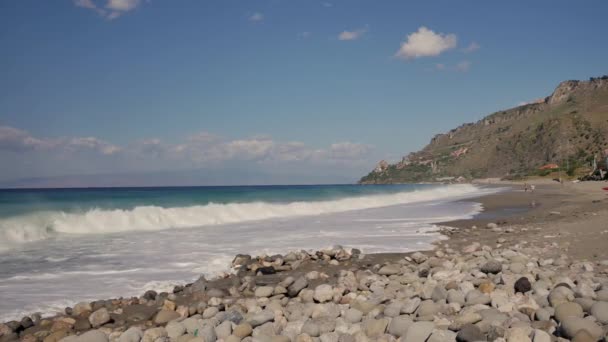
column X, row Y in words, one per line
column 61, row 246
column 22, row 201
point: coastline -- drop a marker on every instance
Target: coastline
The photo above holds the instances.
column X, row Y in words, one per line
column 565, row 222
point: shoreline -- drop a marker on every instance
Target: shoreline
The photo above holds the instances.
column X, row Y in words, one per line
column 570, row 218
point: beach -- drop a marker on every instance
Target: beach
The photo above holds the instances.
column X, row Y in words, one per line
column 532, row 266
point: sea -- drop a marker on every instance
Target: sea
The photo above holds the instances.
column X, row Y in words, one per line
column 62, row 246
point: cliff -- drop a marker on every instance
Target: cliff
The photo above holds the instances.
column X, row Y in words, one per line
column 569, row 127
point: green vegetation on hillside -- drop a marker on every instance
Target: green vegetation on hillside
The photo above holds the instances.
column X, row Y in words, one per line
column 569, row 128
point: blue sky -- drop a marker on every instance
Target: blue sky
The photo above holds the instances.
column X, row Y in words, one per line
column 313, row 91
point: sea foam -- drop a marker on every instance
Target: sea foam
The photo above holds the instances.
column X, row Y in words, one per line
column 47, row 224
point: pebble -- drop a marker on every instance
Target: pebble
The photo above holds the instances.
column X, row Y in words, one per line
column 492, row 267
column 572, row 325
column 99, row 317
column 323, row 293
column 470, row 333
column 264, row 291
column 567, row 309
column 599, row 310
column 419, row 331
column 519, row 293
column 522, row 285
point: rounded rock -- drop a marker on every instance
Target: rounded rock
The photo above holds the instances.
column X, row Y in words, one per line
column 470, row 333
column 522, row 285
column 99, row 317
column 599, row 310
column 491, row 267
column 568, row 309
column 323, row 293
column 572, row 325
column 264, row 291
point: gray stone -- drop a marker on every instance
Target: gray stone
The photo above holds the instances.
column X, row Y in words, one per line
column 242, row 330
column 93, row 336
column 571, row 325
column 399, row 325
column 389, row 270
column 455, row 296
column 152, row 334
column 491, row 267
column 559, row 295
column 207, row 333
column 474, row 297
column 410, row 305
column 468, row 317
column 264, row 291
column 323, row 293
column 542, row 315
column 599, row 310
column 311, row 328
column 374, row 328
column 519, row 334
column 261, row 318
column 419, row 331
column 442, row 336
column 602, row 295
column 470, row 333
column 393, row 309
column 297, row 286
column 439, row 293
column 353, row 315
column 541, row 336
column 568, row 309
column 99, row 317
column 418, row 257
column 427, row 308
column 133, row 334
column 210, row 312
column 175, row 329
column 81, row 308
column 164, row 316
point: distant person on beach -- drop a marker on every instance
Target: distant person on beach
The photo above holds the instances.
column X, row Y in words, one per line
column 525, row 187
column 532, row 187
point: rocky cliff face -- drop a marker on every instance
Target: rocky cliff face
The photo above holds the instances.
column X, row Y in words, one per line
column 570, row 125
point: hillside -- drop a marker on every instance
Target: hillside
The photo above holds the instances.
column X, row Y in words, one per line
column 567, row 128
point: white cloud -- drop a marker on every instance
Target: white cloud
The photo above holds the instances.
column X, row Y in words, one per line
column 463, row 66
column 85, row 4
column 327, row 4
column 112, row 9
column 92, row 144
column 204, row 150
column 256, row 17
column 17, row 140
column 426, row 43
column 352, row 35
column 471, row 48
column 122, row 5
column 13, row 139
column 440, row 66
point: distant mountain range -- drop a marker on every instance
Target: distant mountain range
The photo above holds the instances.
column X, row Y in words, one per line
column 567, row 128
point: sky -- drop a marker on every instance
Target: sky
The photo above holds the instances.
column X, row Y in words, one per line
column 160, row 92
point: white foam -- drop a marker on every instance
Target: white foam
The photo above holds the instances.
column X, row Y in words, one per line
column 127, row 263
column 44, row 225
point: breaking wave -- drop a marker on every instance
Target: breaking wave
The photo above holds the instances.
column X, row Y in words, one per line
column 44, row 225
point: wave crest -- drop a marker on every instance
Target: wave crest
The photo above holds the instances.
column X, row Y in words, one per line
column 44, row 225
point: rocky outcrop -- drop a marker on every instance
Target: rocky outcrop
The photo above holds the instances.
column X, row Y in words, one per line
column 569, row 124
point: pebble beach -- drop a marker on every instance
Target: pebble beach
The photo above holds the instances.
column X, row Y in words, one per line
column 532, row 267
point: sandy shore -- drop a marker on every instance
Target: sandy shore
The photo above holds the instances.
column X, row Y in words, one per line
column 573, row 215
column 531, row 267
